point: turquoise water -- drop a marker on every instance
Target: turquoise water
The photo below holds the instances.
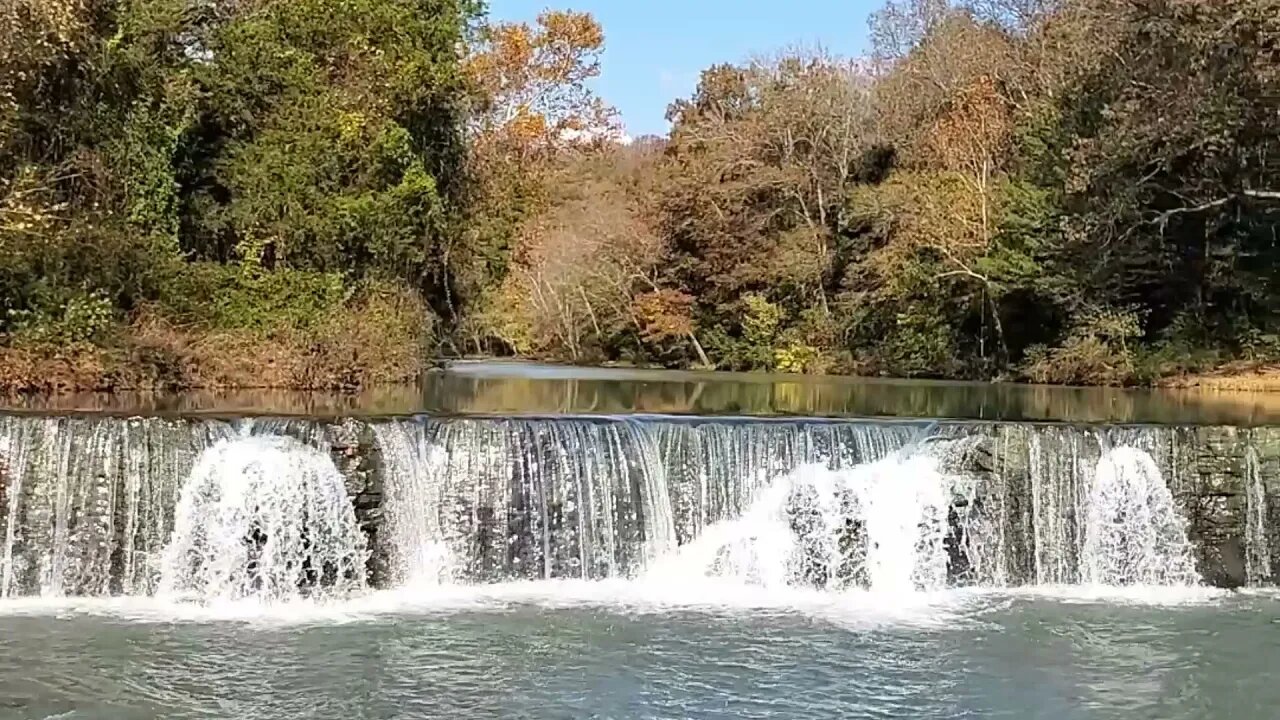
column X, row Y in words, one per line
column 543, row 652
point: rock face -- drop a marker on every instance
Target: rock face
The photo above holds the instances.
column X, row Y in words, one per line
column 357, row 457
column 86, row 503
column 1209, row 470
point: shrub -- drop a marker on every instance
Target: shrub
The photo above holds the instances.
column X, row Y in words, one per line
column 1098, row 351
column 81, row 319
column 247, row 297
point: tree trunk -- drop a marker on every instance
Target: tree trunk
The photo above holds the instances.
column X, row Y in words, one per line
column 999, row 328
column 702, row 355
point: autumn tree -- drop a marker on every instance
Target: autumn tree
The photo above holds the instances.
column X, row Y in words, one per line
column 759, row 162
column 532, row 82
column 584, row 274
column 1172, row 181
column 900, row 26
column 531, row 102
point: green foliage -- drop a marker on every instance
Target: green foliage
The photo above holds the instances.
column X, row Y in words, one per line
column 754, row 341
column 1086, row 193
column 229, row 297
column 330, row 171
column 760, row 322
column 920, row 343
column 81, row 319
column 235, row 167
column 1099, row 350
column 801, row 358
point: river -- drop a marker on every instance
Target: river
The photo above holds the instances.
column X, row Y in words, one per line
column 516, row 541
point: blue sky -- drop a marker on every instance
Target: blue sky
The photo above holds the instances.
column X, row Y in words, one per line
column 655, row 49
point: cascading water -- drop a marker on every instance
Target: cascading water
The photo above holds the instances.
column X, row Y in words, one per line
column 415, row 506
column 904, row 510
column 881, row 525
column 716, row 469
column 1058, row 498
column 88, row 505
column 514, row 499
column 1134, row 534
column 266, row 518
column 478, row 500
column 1257, row 540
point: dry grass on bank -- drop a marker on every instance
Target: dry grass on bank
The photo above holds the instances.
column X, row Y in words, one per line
column 381, row 341
column 1238, row 376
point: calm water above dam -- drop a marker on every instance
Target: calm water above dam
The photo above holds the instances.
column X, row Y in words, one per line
column 516, row 541
column 528, row 388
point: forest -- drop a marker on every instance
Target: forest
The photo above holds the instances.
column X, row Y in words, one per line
column 331, row 194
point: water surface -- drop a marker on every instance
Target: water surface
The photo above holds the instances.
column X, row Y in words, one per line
column 503, row 388
column 1016, row 656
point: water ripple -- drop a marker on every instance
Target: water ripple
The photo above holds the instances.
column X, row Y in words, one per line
column 566, row 651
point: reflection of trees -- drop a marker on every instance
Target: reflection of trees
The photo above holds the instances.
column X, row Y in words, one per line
column 700, row 394
column 765, row 395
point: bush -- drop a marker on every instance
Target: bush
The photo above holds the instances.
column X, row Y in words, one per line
column 761, row 320
column 1098, row 351
column 82, row 319
column 802, row 358
column 381, row 338
column 246, row 297
column 919, row 343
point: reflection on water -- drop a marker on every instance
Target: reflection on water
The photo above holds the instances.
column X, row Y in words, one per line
column 513, row 387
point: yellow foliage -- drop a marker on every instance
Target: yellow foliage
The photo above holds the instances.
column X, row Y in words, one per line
column 801, row 358
column 926, row 212
column 664, row 315
column 532, row 81
column 974, row 134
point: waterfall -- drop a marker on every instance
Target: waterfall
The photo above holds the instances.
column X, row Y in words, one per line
column 280, row 508
column 415, row 504
column 882, row 525
column 499, row 499
column 904, row 508
column 756, row 548
column 1257, row 540
column 1133, row 533
column 88, row 502
column 523, row 499
column 263, row 517
column 715, row 469
column 1058, row 465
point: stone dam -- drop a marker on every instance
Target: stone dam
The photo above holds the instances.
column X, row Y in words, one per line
column 212, row 508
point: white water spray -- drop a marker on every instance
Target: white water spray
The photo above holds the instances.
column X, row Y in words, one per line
column 879, row 525
column 905, row 507
column 88, row 505
column 1134, row 534
column 1257, row 542
column 263, row 518
column 415, row 500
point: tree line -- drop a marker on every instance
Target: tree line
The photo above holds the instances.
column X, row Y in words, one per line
column 315, row 194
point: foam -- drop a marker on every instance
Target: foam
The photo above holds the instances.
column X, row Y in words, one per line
column 850, row 610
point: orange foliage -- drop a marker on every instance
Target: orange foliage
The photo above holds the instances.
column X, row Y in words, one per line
column 664, row 315
column 973, row 135
column 532, row 82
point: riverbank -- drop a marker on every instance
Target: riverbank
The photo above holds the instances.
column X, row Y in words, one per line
column 486, row 388
column 354, row 353
column 1232, row 377
column 365, row 347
